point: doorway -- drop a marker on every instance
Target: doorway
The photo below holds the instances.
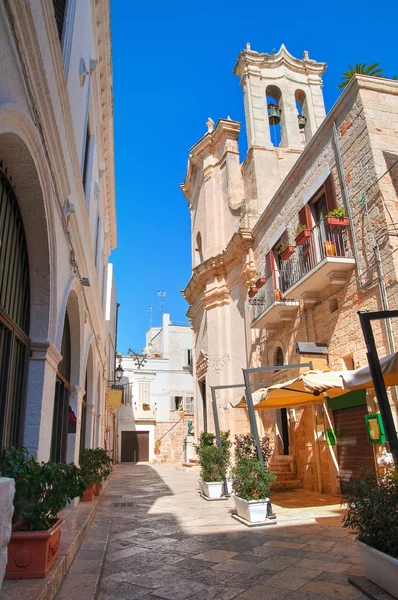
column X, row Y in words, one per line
column 135, row 446
column 202, row 386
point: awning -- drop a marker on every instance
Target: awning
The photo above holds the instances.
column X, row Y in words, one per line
column 362, row 379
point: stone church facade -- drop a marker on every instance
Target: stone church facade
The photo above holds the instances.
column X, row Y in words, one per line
column 275, row 279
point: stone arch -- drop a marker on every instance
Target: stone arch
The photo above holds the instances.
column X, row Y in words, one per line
column 22, row 166
column 89, row 400
column 302, row 109
column 278, row 356
column 277, row 132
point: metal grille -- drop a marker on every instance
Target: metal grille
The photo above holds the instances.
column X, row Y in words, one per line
column 14, row 317
column 59, row 14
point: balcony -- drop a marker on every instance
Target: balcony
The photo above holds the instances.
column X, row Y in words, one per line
column 269, row 309
column 143, row 415
column 324, row 259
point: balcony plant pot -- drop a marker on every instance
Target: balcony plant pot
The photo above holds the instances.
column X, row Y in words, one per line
column 212, row 489
column 157, row 451
column 380, row 568
column 146, row 407
column 32, row 553
column 97, row 488
column 337, row 221
column 260, row 282
column 278, row 295
column 254, row 511
column 302, row 237
column 287, row 252
column 252, row 292
column 330, row 249
column 89, row 493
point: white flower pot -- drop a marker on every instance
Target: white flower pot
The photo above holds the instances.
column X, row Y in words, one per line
column 212, row 489
column 380, row 568
column 254, row 511
column 229, row 485
column 200, row 486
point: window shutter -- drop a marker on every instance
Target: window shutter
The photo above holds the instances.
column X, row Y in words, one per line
column 330, row 194
column 304, row 216
column 268, row 266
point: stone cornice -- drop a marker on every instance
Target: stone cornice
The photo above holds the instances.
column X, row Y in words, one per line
column 41, row 351
column 249, row 58
column 216, row 267
column 210, row 143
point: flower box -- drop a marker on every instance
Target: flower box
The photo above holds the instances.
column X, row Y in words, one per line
column 287, row 252
column 260, row 282
column 89, row 493
column 254, row 511
column 32, row 553
column 146, row 407
column 302, row 237
column 252, row 292
column 212, row 489
column 337, row 221
column 380, row 568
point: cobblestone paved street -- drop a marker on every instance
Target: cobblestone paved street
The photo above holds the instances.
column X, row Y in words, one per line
column 162, row 540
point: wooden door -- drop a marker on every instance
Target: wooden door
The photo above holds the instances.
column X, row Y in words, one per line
column 135, row 446
column 354, row 452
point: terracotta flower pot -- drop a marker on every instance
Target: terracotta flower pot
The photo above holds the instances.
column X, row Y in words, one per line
column 89, row 493
column 260, row 282
column 157, row 451
column 337, row 221
column 302, row 237
column 278, row 295
column 330, row 249
column 97, row 488
column 32, row 553
column 253, row 291
column 287, row 252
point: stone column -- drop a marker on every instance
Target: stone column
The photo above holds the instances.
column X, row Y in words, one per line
column 7, row 490
column 43, row 365
column 75, row 401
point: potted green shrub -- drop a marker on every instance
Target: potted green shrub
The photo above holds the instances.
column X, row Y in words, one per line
column 252, row 482
column 213, row 462
column 245, row 447
column 42, row 490
column 95, row 464
column 337, row 218
column 302, row 234
column 373, row 514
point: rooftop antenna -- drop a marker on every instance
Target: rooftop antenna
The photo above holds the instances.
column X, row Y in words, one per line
column 150, row 316
column 161, row 295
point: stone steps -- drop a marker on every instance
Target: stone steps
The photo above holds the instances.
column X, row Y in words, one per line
column 291, row 484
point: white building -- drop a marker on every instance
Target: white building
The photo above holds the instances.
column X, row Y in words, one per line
column 57, row 225
column 159, row 395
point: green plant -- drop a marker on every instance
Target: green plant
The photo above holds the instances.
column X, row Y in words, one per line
column 41, row 489
column 95, row 464
column 301, row 228
column 362, row 69
column 212, row 463
column 372, row 511
column 245, row 448
column 145, row 406
column 339, row 213
column 252, row 481
column 283, row 246
column 158, row 444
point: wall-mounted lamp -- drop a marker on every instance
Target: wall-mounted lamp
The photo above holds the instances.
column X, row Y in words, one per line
column 85, row 281
column 119, row 372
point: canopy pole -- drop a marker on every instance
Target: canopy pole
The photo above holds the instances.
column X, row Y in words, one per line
column 377, row 375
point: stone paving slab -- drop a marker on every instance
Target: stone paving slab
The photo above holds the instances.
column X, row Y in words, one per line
column 171, row 544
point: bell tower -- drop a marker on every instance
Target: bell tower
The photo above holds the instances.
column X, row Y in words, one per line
column 284, row 107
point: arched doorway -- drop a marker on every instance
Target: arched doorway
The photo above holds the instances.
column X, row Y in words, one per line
column 62, row 415
column 14, row 316
column 281, row 413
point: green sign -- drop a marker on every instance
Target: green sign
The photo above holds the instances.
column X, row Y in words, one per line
column 375, row 429
column 330, row 437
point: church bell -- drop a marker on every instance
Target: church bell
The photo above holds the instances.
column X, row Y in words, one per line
column 273, row 114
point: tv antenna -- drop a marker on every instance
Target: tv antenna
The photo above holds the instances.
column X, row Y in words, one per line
column 162, row 296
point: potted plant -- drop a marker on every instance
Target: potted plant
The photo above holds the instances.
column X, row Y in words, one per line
column 95, row 464
column 42, row 490
column 278, row 295
column 337, row 218
column 146, row 406
column 260, row 281
column 252, row 482
column 286, row 250
column 372, row 513
column 252, row 291
column 245, row 448
column 302, row 234
column 330, row 248
column 214, row 463
column 157, row 446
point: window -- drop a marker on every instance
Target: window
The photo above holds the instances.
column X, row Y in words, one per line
column 177, row 403
column 60, row 15
column 189, row 405
column 144, row 392
column 61, row 399
column 97, row 235
column 189, row 357
column 88, row 162
column 278, row 357
column 14, row 317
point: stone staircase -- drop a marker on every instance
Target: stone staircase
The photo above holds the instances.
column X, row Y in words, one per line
column 285, row 470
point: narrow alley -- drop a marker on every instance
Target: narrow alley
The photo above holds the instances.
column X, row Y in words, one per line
column 154, row 536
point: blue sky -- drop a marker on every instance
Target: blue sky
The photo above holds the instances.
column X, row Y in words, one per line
column 172, row 69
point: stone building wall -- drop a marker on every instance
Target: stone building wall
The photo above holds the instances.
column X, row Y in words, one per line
column 173, row 435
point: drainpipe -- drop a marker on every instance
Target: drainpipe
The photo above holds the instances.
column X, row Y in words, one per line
column 347, row 203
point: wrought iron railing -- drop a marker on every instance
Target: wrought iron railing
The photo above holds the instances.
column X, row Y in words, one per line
column 324, row 241
column 269, row 293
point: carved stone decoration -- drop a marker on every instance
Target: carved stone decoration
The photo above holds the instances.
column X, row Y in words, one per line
column 217, row 363
column 201, row 365
column 23, row 557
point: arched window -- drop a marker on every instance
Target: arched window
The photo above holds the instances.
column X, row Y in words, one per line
column 275, row 115
column 14, row 316
column 64, row 419
column 198, row 250
column 278, row 357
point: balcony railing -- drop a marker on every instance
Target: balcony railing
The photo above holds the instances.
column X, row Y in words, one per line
column 267, row 294
column 141, row 414
column 324, row 242
column 269, row 308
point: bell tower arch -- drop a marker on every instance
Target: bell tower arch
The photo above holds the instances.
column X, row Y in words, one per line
column 284, row 107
